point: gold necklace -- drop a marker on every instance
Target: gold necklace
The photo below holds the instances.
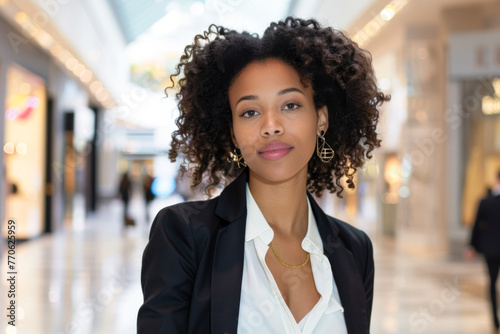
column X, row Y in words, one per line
column 285, row 264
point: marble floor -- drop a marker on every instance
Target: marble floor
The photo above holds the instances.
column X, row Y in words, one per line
column 85, row 279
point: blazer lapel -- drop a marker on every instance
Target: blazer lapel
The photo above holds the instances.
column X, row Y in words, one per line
column 347, row 277
column 227, row 268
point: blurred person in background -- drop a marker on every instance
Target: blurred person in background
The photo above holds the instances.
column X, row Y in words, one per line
column 284, row 116
column 485, row 239
column 125, row 191
column 147, row 189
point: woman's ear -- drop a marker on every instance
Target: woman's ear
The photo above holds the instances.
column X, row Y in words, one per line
column 322, row 119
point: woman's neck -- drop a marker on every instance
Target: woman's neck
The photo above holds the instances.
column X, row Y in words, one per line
column 284, row 204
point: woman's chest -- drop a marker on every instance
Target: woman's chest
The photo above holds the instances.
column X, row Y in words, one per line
column 296, row 286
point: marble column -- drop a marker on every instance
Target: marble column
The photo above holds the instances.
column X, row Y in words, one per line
column 421, row 225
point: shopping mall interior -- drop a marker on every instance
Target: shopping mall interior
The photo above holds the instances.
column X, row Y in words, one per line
column 87, row 127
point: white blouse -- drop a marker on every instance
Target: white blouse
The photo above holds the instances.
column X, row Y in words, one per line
column 262, row 308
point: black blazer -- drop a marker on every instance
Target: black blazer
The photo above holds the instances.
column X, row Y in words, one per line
column 486, row 231
column 193, row 264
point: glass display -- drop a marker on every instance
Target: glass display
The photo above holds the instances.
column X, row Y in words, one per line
column 24, row 151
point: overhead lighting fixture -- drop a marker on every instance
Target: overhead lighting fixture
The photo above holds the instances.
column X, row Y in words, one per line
column 78, row 70
column 96, row 87
column 71, row 63
column 42, row 38
column 86, row 76
column 387, row 13
column 21, row 18
column 56, row 50
column 102, row 96
column 373, row 27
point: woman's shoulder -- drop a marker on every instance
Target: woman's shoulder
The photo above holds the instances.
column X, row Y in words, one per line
column 349, row 234
column 187, row 217
column 357, row 243
column 191, row 212
column 195, row 206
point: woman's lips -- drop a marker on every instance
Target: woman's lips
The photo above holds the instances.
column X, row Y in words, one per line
column 275, row 151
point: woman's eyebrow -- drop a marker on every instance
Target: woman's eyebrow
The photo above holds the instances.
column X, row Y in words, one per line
column 281, row 92
column 289, row 90
column 247, row 98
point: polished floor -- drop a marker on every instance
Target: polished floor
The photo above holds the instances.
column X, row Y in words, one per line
column 85, row 279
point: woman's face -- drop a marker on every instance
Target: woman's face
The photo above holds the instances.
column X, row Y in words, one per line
column 275, row 123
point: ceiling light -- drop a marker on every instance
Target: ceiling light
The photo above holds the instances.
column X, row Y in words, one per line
column 71, row 63
column 95, row 87
column 79, row 69
column 86, row 76
column 21, row 17
column 387, row 13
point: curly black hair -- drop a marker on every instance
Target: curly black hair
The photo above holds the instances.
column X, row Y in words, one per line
column 341, row 76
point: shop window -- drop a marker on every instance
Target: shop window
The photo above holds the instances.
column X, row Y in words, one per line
column 24, row 151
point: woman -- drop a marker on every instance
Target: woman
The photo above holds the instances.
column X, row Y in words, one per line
column 288, row 111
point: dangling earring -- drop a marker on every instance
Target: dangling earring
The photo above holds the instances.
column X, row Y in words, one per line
column 323, row 150
column 237, row 158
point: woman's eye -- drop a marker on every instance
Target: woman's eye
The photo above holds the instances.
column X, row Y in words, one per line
column 291, row 106
column 249, row 113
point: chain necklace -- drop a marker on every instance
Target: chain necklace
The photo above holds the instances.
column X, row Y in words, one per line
column 285, row 264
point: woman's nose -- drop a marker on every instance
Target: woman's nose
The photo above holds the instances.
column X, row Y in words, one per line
column 272, row 125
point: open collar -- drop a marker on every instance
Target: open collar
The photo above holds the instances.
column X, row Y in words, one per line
column 256, row 225
column 227, row 267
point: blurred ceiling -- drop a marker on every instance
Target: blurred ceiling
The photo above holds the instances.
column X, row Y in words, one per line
column 157, row 31
column 136, row 16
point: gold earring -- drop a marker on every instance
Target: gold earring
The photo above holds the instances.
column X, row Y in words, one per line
column 237, row 158
column 323, row 150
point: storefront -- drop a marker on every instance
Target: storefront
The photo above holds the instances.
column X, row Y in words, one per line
column 25, row 119
column 24, row 150
column 38, row 162
column 56, row 65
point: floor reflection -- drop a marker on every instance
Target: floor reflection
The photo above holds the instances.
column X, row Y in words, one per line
column 428, row 294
